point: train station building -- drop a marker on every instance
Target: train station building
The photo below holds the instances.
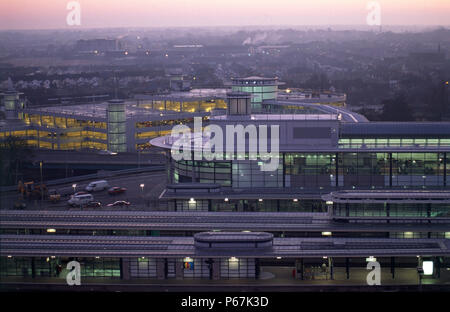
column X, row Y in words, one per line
column 346, row 192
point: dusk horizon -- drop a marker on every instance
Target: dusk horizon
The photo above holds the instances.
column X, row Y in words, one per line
column 51, row 14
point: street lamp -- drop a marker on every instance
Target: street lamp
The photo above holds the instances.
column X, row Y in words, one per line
column 42, row 183
column 142, row 185
column 74, row 188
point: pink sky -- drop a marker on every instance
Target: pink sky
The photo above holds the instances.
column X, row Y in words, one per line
column 41, row 14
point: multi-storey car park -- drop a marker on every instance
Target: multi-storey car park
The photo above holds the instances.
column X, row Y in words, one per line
column 346, row 191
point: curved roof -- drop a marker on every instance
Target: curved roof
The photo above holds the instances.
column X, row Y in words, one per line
column 255, row 78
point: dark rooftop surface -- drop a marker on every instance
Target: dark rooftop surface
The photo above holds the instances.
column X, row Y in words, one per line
column 116, row 246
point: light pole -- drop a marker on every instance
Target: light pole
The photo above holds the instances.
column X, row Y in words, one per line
column 42, row 184
column 142, row 185
column 139, row 158
column 74, row 188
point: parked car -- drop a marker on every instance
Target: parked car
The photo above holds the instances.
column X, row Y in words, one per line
column 80, row 193
column 119, row 203
column 54, row 196
column 106, row 152
column 116, row 190
column 80, row 200
column 94, row 204
column 97, row 186
column 19, row 205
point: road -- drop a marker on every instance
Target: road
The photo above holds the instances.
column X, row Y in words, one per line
column 132, row 182
column 56, row 157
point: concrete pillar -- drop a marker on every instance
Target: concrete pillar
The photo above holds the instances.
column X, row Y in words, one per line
column 299, row 269
column 331, row 265
column 160, row 269
column 347, row 267
column 216, row 269
column 125, row 268
column 179, row 270
column 257, row 268
column 393, row 267
column 33, row 267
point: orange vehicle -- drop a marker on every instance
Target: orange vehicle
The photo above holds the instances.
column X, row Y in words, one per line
column 54, row 196
column 31, row 190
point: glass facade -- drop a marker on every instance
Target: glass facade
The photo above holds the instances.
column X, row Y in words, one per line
column 393, row 142
column 425, row 210
column 189, row 106
column 363, row 170
column 237, row 268
column 117, row 136
column 417, row 169
column 260, row 88
column 201, row 171
column 248, row 174
column 56, row 266
column 310, row 170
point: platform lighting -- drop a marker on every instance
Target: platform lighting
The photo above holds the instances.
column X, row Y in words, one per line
column 427, row 267
column 260, row 200
column 226, row 199
column 295, row 199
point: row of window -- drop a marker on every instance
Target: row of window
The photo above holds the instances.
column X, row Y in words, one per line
column 270, row 205
column 392, row 210
column 392, row 142
column 61, row 122
column 316, row 170
column 191, row 106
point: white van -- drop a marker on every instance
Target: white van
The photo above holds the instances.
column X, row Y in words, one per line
column 80, row 200
column 97, row 186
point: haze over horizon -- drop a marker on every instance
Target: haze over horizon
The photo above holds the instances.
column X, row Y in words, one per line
column 52, row 14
